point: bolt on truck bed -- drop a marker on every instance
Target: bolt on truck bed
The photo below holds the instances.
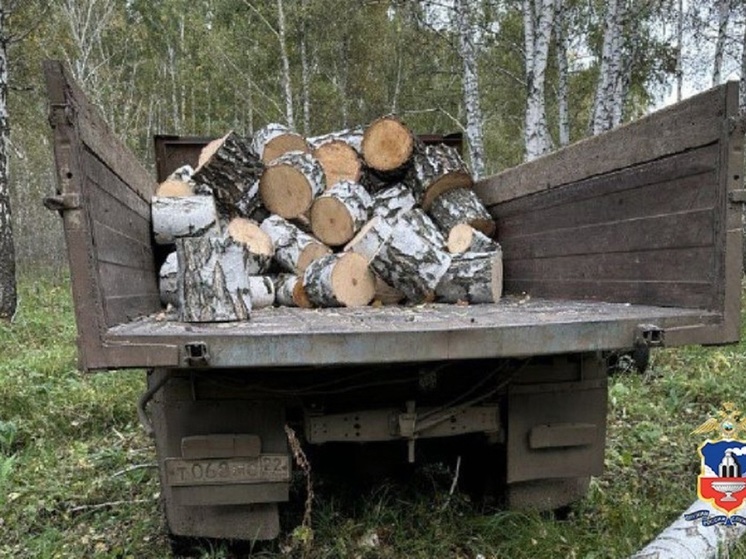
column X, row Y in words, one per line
column 634, row 228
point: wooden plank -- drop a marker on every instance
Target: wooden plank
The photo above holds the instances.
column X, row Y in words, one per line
column 106, row 181
column 684, row 229
column 693, row 192
column 696, row 295
column 681, row 166
column 115, row 247
column 678, row 264
column 693, row 123
column 118, row 280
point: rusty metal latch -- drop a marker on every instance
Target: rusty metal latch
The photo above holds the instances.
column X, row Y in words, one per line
column 196, row 354
column 62, row 202
column 650, row 335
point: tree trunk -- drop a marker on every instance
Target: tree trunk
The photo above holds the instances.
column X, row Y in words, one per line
column 339, row 280
column 261, row 291
column 609, row 72
column 467, row 33
column 680, row 49
column 286, row 80
column 340, row 212
column 412, row 258
column 563, row 92
column 305, row 71
column 538, row 17
column 8, row 294
column 294, row 249
column 290, row 183
column 742, row 85
column 724, row 9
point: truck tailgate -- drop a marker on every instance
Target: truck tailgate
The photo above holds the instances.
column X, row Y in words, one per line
column 576, row 303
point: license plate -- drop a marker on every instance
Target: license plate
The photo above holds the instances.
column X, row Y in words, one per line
column 266, row 468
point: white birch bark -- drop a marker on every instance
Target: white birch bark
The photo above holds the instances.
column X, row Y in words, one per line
column 680, row 49
column 305, row 73
column 563, row 108
column 742, row 86
column 724, row 9
column 8, row 293
column 286, row 83
column 609, row 68
column 538, row 20
column 467, row 33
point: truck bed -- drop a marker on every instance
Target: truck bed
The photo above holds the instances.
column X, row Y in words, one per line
column 514, row 327
column 637, row 229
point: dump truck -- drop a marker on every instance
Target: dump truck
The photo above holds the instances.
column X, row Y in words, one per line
column 625, row 241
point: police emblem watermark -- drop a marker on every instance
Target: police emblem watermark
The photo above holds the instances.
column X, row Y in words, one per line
column 722, row 478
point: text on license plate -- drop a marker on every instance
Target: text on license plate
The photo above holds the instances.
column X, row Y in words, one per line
column 259, row 469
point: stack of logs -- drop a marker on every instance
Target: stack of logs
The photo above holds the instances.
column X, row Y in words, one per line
column 346, row 219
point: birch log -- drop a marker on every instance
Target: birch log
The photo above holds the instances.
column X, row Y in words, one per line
column 367, row 243
column 294, row 249
column 187, row 216
column 464, row 238
column 387, row 144
column 412, row 259
column 338, row 153
column 256, row 243
column 167, row 281
column 250, row 204
column 285, row 290
column 275, row 140
column 339, row 280
column 461, row 205
column 178, row 183
column 213, row 280
column 230, row 168
column 472, row 277
column 290, row 183
column 390, row 202
column 340, row 212
column 261, row 291
column 437, row 169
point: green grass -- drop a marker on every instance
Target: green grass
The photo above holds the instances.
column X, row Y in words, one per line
column 77, row 476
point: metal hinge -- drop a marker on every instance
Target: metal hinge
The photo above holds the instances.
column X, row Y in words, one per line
column 61, row 202
column 737, row 196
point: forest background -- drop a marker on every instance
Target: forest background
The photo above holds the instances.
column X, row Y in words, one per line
column 518, row 78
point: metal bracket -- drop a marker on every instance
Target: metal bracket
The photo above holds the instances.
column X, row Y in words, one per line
column 737, row 196
column 196, row 354
column 62, row 202
column 650, row 335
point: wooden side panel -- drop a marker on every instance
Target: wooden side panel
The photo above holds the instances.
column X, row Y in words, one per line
column 639, row 215
column 107, row 230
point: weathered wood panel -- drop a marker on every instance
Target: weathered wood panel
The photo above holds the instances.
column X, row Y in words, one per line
column 676, row 129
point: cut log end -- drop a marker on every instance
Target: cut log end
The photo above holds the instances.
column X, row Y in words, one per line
column 248, row 233
column 387, row 144
column 174, row 189
column 448, row 182
column 282, row 144
column 465, row 238
column 339, row 161
column 300, row 296
column 331, row 221
column 289, row 195
column 312, row 251
column 353, row 284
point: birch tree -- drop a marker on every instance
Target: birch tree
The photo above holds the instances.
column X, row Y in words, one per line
column 563, row 102
column 467, row 34
column 609, row 90
column 538, row 20
column 8, row 294
column 724, row 8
